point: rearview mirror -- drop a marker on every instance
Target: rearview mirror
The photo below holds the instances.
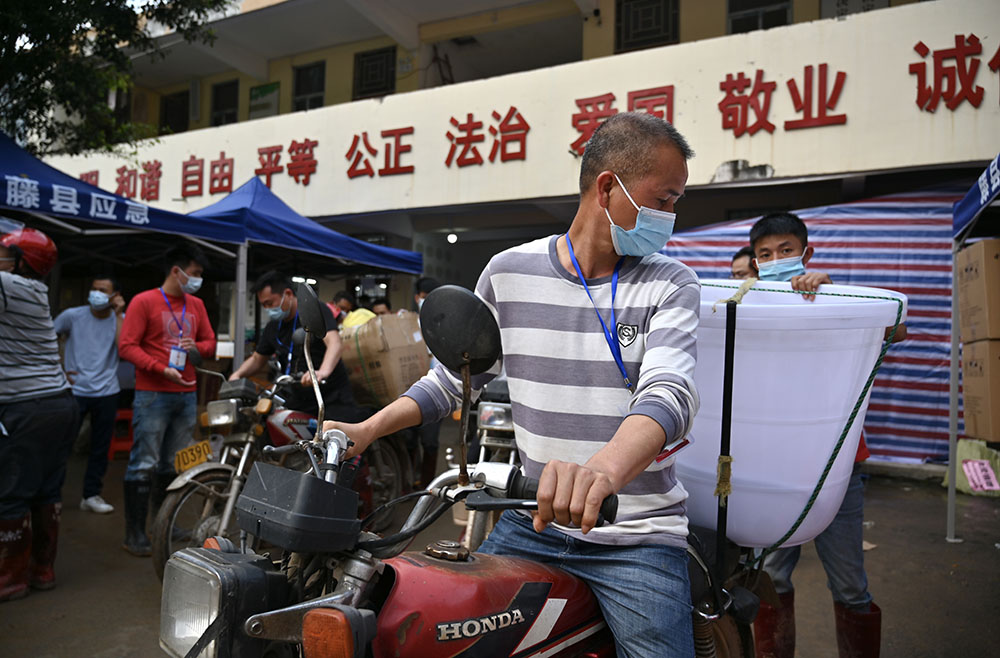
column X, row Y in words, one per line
column 310, row 310
column 460, row 329
column 194, row 357
column 299, row 336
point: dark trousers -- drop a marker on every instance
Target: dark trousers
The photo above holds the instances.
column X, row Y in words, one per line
column 36, row 437
column 102, row 412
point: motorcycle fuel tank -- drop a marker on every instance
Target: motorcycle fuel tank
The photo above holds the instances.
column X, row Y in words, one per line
column 487, row 606
column 285, row 426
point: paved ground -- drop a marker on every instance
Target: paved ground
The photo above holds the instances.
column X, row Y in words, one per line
column 938, row 599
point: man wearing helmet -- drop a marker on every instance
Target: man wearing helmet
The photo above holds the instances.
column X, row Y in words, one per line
column 38, row 415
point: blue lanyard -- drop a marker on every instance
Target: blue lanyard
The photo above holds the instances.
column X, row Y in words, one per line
column 180, row 323
column 616, row 350
column 291, row 341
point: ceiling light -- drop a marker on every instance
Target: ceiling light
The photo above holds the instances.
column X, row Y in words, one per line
column 452, row 238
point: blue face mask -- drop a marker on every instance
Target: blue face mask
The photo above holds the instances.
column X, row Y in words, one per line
column 782, row 269
column 277, row 312
column 98, row 300
column 652, row 230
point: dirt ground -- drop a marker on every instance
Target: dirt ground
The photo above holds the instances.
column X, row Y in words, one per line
column 938, row 599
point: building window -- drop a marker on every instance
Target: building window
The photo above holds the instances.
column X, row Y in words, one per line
column 174, row 113
column 375, row 73
column 842, row 8
column 750, row 15
column 225, row 100
column 307, row 89
column 645, row 24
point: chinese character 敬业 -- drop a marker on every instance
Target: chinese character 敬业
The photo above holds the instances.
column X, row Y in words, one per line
column 126, row 182
column 593, row 112
column 512, row 130
column 360, row 164
column 270, row 162
column 149, row 180
column 22, row 192
column 64, row 200
column 815, row 114
column 301, row 160
column 192, row 171
column 952, row 83
column 220, row 174
column 467, row 139
column 736, row 105
column 394, row 150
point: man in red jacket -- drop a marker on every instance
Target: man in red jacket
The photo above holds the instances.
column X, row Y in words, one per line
column 161, row 325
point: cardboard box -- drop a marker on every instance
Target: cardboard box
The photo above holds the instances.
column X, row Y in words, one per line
column 981, row 389
column 384, row 357
column 979, row 291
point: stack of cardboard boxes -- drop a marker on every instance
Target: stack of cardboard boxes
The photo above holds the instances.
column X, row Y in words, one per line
column 384, row 357
column 979, row 323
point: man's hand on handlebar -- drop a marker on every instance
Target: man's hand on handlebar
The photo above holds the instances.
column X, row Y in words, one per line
column 358, row 433
column 569, row 493
column 307, row 381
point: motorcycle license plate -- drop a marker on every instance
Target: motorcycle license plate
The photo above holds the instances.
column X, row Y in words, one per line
column 190, row 457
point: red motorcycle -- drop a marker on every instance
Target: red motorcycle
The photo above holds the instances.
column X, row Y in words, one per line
column 330, row 589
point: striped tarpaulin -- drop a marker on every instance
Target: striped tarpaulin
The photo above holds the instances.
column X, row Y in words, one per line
column 901, row 242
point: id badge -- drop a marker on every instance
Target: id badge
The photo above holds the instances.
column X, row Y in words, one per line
column 178, row 357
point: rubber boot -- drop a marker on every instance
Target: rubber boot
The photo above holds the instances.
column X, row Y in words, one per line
column 158, row 491
column 859, row 632
column 44, row 539
column 136, row 506
column 15, row 557
column 774, row 628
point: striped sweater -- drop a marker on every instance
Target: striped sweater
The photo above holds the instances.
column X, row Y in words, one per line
column 29, row 351
column 567, row 394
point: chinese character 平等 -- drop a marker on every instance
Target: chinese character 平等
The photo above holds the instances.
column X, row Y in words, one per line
column 220, row 174
column 737, row 105
column 64, row 200
column 360, row 164
column 301, row 160
column 149, row 180
column 952, row 82
column 467, row 139
column 815, row 114
column 511, row 131
column 192, row 172
column 593, row 112
column 394, row 150
column 270, row 162
column 22, row 192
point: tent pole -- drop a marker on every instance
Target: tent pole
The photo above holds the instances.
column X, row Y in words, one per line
column 239, row 333
column 953, row 395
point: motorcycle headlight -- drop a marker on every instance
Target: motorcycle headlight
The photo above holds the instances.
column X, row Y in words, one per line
column 201, row 585
column 222, row 412
column 495, row 416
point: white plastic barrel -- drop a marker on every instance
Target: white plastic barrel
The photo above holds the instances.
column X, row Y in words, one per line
column 799, row 368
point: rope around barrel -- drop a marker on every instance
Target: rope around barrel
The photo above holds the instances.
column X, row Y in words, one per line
column 738, row 298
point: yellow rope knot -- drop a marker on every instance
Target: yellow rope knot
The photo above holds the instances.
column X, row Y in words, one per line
column 738, row 295
column 724, row 484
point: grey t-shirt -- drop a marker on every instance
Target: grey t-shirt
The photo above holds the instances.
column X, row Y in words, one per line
column 91, row 351
column 29, row 353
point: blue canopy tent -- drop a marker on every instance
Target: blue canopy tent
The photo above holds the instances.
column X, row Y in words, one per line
column 43, row 192
column 966, row 214
column 266, row 219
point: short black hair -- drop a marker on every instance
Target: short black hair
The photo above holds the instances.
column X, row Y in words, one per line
column 779, row 223
column 343, row 294
column 274, row 280
column 425, row 284
column 382, row 300
column 745, row 251
column 183, row 255
column 624, row 144
column 106, row 277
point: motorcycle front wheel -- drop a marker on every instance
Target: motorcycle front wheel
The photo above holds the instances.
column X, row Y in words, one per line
column 191, row 515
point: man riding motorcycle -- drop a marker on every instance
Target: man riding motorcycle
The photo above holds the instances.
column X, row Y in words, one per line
column 596, row 399
column 277, row 297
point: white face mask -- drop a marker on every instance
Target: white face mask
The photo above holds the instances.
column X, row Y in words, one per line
column 193, row 283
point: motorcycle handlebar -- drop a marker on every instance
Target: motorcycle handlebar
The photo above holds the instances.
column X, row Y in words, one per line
column 524, row 487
